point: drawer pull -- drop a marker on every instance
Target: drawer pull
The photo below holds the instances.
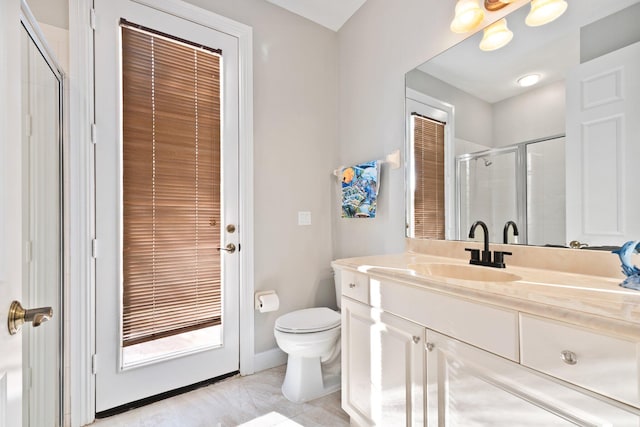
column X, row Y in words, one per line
column 416, row 339
column 352, row 285
column 569, row 357
column 429, row 346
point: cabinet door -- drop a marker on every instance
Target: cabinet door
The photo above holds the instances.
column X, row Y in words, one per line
column 470, row 387
column 382, row 367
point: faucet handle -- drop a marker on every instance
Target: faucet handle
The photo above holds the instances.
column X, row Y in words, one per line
column 475, row 254
column 498, row 258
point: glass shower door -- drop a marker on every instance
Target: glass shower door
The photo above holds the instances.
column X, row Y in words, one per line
column 487, row 191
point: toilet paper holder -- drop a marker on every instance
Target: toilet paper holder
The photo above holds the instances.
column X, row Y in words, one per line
column 258, row 295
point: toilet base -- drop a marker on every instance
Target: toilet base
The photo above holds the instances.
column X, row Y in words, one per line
column 304, row 380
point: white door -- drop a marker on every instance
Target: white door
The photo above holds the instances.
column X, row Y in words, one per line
column 30, row 214
column 602, row 149
column 42, row 227
column 10, row 213
column 382, row 367
column 129, row 372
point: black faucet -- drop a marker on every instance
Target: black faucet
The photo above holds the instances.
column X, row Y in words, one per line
column 485, row 260
column 505, row 231
column 486, row 253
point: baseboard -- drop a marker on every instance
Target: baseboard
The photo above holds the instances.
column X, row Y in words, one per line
column 269, row 359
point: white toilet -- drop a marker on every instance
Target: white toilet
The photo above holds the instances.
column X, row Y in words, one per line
column 311, row 338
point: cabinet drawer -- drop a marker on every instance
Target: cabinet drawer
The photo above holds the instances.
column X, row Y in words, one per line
column 597, row 362
column 355, row 286
column 490, row 328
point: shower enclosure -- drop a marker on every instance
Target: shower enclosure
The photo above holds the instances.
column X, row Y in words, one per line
column 524, row 183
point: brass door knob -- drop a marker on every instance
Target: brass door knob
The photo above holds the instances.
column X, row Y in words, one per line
column 574, row 244
column 18, row 316
column 231, row 248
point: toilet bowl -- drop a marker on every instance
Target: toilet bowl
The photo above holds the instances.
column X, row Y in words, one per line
column 311, row 338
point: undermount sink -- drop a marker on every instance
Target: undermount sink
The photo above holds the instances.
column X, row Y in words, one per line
column 465, row 272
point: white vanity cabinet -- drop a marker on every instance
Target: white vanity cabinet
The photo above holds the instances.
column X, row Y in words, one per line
column 468, row 387
column 412, row 355
column 597, row 362
column 382, row 367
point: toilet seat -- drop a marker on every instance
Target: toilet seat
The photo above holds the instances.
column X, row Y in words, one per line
column 307, row 321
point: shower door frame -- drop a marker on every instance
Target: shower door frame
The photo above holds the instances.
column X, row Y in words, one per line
column 521, row 185
column 520, row 150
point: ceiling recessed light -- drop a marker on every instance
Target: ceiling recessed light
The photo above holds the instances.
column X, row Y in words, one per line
column 529, row 80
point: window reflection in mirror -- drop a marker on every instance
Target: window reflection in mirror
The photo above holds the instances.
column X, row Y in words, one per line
column 505, row 154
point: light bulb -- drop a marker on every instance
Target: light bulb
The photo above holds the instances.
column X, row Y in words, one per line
column 544, row 11
column 469, row 16
column 496, row 36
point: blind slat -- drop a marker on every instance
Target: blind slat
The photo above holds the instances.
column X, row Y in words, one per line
column 428, row 210
column 171, row 187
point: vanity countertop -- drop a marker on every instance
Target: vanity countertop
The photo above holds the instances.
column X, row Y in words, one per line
column 591, row 301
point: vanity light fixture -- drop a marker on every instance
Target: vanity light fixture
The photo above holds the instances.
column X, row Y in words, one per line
column 469, row 15
column 492, row 5
column 496, row 36
column 528, row 80
column 544, row 11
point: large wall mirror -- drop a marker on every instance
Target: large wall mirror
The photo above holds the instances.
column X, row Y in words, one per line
column 558, row 158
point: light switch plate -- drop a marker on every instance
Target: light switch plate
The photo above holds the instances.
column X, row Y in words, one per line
column 304, row 218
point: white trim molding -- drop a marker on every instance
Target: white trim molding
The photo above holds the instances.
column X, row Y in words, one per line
column 444, row 112
column 82, row 192
column 269, row 359
column 81, row 216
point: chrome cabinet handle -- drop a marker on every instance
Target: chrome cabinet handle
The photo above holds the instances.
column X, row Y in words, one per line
column 416, row 339
column 352, row 285
column 429, row 346
column 18, row 316
column 231, row 248
column 569, row 357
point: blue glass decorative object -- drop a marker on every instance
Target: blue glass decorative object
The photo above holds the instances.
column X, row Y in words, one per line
column 631, row 271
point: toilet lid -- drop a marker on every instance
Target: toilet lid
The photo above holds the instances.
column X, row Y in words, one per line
column 308, row 320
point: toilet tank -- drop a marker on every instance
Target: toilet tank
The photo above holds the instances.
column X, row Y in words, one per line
column 337, row 279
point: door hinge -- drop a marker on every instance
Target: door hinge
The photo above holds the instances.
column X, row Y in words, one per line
column 94, row 248
column 28, row 125
column 92, row 19
column 94, row 134
column 94, row 364
column 28, row 251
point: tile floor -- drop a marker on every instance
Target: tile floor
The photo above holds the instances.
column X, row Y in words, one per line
column 252, row 401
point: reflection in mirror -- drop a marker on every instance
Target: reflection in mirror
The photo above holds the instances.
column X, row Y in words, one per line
column 554, row 156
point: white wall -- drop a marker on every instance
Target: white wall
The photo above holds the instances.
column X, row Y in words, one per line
column 538, row 113
column 52, row 12
column 295, row 115
column 594, row 40
column 473, row 116
column 377, row 46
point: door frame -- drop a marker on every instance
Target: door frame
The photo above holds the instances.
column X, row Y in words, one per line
column 82, row 246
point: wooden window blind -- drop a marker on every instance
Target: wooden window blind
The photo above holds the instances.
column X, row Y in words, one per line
column 171, row 187
column 428, row 202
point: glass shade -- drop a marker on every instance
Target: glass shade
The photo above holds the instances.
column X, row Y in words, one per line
column 544, row 11
column 469, row 16
column 496, row 36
